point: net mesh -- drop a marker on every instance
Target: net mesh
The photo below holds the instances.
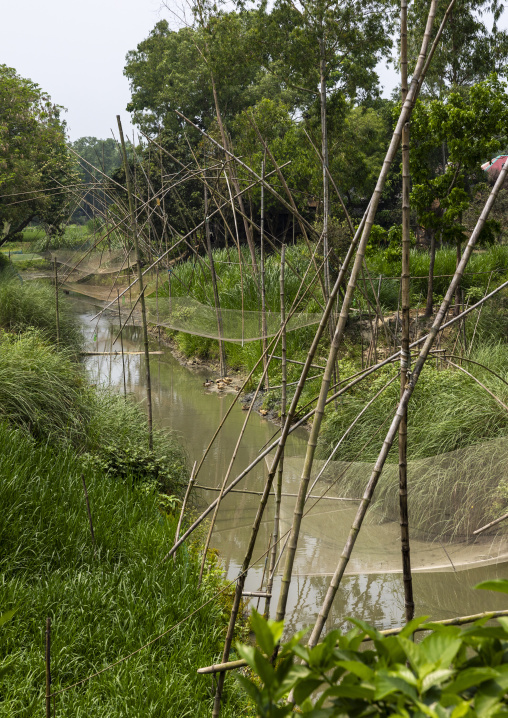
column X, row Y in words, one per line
column 450, row 496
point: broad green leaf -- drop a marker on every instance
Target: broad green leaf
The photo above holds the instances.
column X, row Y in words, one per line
column 358, row 669
column 264, row 669
column 305, row 688
column 461, row 710
column 268, row 633
column 410, row 627
column 435, row 678
column 247, row 653
column 495, row 584
column 441, row 647
column 389, row 682
column 471, row 677
column 250, row 688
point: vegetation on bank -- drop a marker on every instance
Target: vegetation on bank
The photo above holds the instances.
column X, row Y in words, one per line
column 109, row 598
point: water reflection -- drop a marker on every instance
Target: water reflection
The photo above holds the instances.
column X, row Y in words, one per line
column 181, row 404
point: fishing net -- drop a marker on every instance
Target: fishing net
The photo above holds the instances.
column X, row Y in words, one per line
column 450, row 496
column 75, row 266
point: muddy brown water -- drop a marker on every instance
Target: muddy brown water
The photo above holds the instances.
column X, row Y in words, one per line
column 373, row 589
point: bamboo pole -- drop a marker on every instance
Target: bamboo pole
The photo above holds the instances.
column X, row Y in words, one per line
column 492, row 523
column 141, row 288
column 404, row 353
column 263, row 280
column 222, row 352
column 121, row 345
column 344, row 315
column 47, row 655
column 57, row 310
column 280, row 470
column 280, row 447
column 88, row 511
column 260, row 493
column 394, row 427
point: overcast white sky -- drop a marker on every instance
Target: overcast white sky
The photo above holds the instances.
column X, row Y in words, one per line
column 76, row 52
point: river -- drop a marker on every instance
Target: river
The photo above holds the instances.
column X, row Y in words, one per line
column 372, row 590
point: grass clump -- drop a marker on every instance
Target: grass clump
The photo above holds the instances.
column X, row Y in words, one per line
column 103, row 605
column 24, row 305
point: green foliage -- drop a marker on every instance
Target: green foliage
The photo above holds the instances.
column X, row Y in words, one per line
column 482, row 263
column 104, row 604
column 473, row 124
column 25, row 305
column 137, row 464
column 34, row 157
column 454, row 671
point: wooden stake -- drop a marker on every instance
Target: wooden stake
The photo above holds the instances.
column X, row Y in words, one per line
column 89, row 512
column 47, row 654
column 121, row 344
column 141, row 288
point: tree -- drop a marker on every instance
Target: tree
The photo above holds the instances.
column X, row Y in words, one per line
column 474, row 125
column 35, row 164
column 468, row 51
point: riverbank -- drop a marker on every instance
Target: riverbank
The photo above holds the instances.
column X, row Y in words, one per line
column 108, row 593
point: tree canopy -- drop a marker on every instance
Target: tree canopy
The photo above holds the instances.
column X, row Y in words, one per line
column 35, row 164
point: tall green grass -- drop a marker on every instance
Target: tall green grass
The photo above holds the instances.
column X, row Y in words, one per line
column 448, row 410
column 484, row 262
column 32, row 304
column 103, row 605
column 237, row 289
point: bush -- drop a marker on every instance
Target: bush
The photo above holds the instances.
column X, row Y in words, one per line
column 453, row 672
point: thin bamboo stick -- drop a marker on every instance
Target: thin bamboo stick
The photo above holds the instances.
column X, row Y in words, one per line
column 280, row 470
column 344, row 315
column 57, row 311
column 184, row 503
column 492, row 523
column 394, row 427
column 47, row 654
column 459, row 621
column 262, row 263
column 141, row 288
column 222, row 351
column 88, row 512
column 121, row 345
column 471, row 376
column 404, row 354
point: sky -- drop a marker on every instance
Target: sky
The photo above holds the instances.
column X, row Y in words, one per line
column 76, row 52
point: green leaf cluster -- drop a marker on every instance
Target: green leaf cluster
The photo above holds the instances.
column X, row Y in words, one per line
column 453, row 672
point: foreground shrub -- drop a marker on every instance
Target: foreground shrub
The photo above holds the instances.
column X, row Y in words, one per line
column 454, row 671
